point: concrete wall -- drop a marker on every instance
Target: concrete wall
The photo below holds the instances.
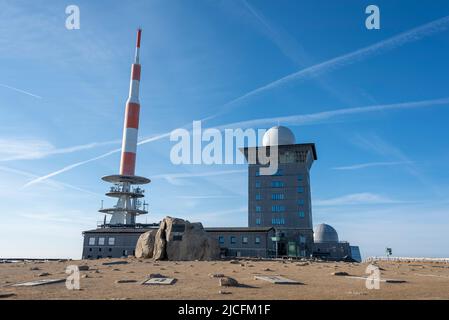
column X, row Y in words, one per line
column 124, row 244
column 332, row 250
column 250, row 249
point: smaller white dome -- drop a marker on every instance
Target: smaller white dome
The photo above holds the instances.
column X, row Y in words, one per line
column 325, row 233
column 278, row 135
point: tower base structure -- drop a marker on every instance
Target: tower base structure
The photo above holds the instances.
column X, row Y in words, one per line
column 118, row 237
column 128, row 193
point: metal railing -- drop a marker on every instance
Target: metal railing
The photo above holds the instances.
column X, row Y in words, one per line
column 407, row 259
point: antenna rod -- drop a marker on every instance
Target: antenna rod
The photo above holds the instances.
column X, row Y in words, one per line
column 137, row 57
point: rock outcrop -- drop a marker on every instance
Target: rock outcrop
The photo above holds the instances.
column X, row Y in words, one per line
column 145, row 245
column 178, row 239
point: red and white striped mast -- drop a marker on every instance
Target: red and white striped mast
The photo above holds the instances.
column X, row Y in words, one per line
column 131, row 125
column 128, row 206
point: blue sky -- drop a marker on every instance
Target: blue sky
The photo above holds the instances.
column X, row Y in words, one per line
column 375, row 102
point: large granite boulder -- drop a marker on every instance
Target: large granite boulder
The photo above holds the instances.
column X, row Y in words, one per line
column 160, row 243
column 145, row 244
column 178, row 239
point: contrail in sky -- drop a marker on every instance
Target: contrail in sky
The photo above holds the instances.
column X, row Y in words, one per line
column 383, row 46
column 21, row 91
column 172, row 177
column 70, row 167
column 401, row 39
column 30, row 175
column 104, row 155
column 319, row 117
column 371, row 164
column 301, row 119
column 23, row 149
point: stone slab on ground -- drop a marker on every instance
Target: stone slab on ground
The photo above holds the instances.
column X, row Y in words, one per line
column 159, row 281
column 38, row 282
column 125, row 281
column 340, row 273
column 6, row 294
column 277, row 279
column 112, row 263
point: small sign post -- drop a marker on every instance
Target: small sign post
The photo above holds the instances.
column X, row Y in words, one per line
column 389, row 252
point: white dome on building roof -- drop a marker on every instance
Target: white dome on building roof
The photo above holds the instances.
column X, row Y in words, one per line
column 278, row 135
column 325, row 233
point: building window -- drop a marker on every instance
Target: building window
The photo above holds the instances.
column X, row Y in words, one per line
column 110, row 249
column 111, row 241
column 245, row 240
column 258, row 208
column 257, row 172
column 221, row 239
column 258, row 221
column 277, row 184
column 258, row 184
column 300, row 178
column 99, row 249
column 258, row 196
column 233, row 240
column 90, row 249
column 300, row 189
column 91, row 241
column 302, row 239
column 301, row 202
column 280, row 172
column 302, row 214
column 257, row 240
column 277, row 221
column 277, row 208
column 101, row 241
column 277, row 196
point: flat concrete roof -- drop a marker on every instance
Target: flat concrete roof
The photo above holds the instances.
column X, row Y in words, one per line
column 120, row 230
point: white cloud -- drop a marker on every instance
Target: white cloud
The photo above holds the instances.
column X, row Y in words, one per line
column 174, row 177
column 52, row 183
column 67, row 168
column 364, row 198
column 376, row 144
column 80, row 163
column 15, row 149
column 31, row 148
column 372, row 164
